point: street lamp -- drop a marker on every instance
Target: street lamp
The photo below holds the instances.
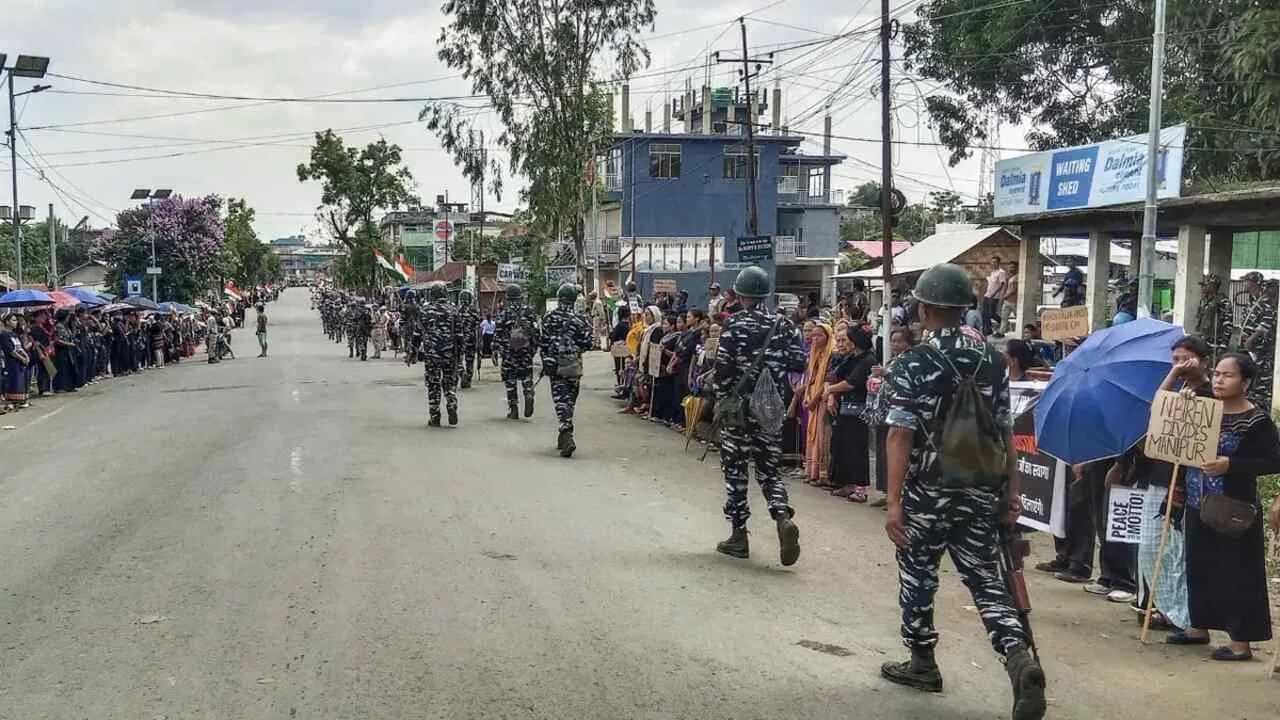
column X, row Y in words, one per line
column 26, row 66
column 146, row 195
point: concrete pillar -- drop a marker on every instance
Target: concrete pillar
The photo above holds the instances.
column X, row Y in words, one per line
column 1186, row 283
column 777, row 108
column 666, row 116
column 688, row 111
column 1030, row 280
column 648, row 121
column 626, row 108
column 826, row 150
column 706, row 109
column 1099, row 273
column 1220, row 253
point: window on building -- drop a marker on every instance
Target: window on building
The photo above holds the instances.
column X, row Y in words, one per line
column 789, row 180
column 817, row 188
column 735, row 163
column 664, row 160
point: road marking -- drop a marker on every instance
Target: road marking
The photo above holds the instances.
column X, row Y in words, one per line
column 296, row 396
column 41, row 419
column 295, row 467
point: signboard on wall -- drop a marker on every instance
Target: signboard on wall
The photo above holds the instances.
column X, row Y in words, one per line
column 1106, row 173
column 755, row 248
column 512, row 274
column 557, row 275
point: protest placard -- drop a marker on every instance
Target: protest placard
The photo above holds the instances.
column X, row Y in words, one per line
column 1126, row 509
column 1183, row 429
column 1063, row 323
column 655, row 359
column 665, row 285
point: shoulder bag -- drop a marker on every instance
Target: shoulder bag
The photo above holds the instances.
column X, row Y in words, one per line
column 1228, row 516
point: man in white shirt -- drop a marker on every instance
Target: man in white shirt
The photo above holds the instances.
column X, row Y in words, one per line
column 997, row 285
column 211, row 340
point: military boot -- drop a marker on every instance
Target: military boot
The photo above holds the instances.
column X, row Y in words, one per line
column 528, row 406
column 1028, row 682
column 566, row 444
column 920, row 672
column 434, row 421
column 737, row 545
column 788, row 541
column 513, row 412
column 453, row 416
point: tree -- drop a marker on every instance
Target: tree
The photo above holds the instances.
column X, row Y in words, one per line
column 943, row 204
column 247, row 258
column 914, row 222
column 535, row 61
column 189, row 238
column 355, row 184
column 1079, row 72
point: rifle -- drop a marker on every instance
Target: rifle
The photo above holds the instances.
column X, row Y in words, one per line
column 1013, row 549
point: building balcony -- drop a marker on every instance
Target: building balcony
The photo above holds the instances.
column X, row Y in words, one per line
column 802, row 199
column 604, row 251
column 787, row 248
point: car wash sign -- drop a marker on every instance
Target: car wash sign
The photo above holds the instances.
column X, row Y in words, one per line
column 1106, row 173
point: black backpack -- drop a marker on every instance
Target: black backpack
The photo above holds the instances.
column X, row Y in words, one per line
column 974, row 451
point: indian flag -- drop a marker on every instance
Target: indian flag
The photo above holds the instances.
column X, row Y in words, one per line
column 230, row 290
column 405, row 268
column 386, row 264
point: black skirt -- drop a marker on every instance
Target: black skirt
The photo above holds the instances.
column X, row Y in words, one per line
column 1227, row 580
column 850, row 456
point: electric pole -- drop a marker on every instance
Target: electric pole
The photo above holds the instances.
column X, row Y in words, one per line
column 1147, row 271
column 886, row 181
column 53, row 252
column 753, row 220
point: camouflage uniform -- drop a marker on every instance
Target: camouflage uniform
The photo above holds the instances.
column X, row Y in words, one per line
column 517, row 364
column 1215, row 320
column 469, row 319
column 964, row 523
column 739, row 446
column 439, row 351
column 565, row 333
column 1261, row 318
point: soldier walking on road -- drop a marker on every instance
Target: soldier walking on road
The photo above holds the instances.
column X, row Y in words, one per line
column 752, row 339
column 440, row 346
column 469, row 320
column 517, row 337
column 954, row 504
column 565, row 336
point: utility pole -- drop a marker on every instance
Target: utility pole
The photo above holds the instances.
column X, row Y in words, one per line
column 1146, row 273
column 13, row 173
column 53, row 251
column 886, row 182
column 753, row 221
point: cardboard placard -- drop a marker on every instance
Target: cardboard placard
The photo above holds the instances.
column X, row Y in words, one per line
column 1126, row 509
column 711, row 347
column 665, row 285
column 655, row 359
column 1063, row 323
column 1183, row 429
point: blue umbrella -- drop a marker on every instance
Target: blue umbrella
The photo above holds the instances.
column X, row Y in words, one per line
column 25, row 298
column 86, row 296
column 1099, row 400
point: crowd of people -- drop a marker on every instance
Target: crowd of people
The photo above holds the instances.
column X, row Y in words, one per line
column 46, row 351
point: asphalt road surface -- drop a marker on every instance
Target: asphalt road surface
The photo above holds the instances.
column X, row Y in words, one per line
column 285, row 538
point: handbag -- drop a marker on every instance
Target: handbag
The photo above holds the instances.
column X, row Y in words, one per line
column 1228, row 516
column 847, row 408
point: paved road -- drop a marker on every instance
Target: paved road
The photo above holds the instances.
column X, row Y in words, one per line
column 285, row 538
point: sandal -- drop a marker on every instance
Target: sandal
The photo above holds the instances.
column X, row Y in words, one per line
column 859, row 495
column 1226, row 654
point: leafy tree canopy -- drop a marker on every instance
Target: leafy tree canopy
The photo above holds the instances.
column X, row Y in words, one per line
column 189, row 237
column 355, row 183
column 1079, row 71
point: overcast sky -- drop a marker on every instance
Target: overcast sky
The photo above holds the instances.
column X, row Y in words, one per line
column 106, row 144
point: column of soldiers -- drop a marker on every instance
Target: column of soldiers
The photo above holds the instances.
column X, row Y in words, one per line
column 1215, row 323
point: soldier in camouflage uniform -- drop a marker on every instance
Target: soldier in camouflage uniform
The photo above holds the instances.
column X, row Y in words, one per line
column 359, row 327
column 440, row 346
column 1258, row 336
column 469, row 320
column 351, row 326
column 565, row 336
column 1215, row 319
column 411, row 327
column 925, row 519
column 517, row 338
column 740, row 343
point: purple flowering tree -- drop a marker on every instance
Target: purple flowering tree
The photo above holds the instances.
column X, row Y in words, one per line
column 189, row 239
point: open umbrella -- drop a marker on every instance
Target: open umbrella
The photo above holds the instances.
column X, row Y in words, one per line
column 141, row 303
column 86, row 296
column 25, row 298
column 120, row 307
column 1099, row 400
column 63, row 300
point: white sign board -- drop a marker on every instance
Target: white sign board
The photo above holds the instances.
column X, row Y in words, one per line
column 1106, row 173
column 512, row 274
column 133, row 288
column 1125, row 511
column 560, row 274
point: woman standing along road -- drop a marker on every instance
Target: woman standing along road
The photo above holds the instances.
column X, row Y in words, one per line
column 817, row 439
column 1226, row 568
column 846, row 400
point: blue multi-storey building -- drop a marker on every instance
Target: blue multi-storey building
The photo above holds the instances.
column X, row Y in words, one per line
column 671, row 205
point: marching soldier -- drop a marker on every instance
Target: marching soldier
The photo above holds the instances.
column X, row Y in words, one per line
column 1215, row 319
column 351, row 326
column 440, row 346
column 411, row 327
column 469, row 320
column 517, row 337
column 745, row 339
column 962, row 518
column 565, row 336
column 1258, row 335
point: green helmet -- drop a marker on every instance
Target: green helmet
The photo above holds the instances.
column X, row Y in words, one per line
column 753, row 282
column 514, row 292
column 945, row 285
column 567, row 293
column 465, row 298
column 436, row 291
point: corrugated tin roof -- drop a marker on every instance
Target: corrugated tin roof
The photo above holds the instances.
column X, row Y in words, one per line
column 938, row 248
column 875, row 248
